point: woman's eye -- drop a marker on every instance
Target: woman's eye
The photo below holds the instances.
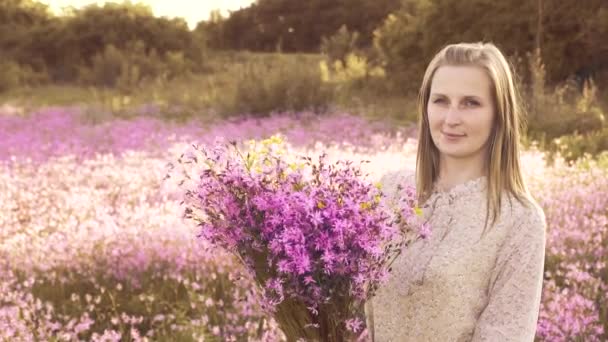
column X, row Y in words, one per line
column 438, row 101
column 471, row 103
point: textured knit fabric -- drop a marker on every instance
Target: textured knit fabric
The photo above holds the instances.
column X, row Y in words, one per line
column 458, row 285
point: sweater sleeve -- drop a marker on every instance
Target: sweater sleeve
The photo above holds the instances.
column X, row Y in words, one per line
column 515, row 285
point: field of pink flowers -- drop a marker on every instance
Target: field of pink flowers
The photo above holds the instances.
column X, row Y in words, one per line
column 93, row 247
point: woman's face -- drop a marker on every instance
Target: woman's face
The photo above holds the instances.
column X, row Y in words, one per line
column 461, row 111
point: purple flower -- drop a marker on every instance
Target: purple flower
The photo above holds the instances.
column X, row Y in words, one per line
column 425, row 230
column 354, row 324
column 320, row 230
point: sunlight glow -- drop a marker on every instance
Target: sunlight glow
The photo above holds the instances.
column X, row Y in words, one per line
column 191, row 11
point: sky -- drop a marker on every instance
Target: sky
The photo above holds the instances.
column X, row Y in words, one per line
column 191, row 10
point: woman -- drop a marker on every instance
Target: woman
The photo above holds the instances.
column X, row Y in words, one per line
column 478, row 277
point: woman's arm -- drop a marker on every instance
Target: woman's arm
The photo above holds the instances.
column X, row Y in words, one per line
column 516, row 284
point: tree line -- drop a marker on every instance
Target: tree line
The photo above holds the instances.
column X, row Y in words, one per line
column 404, row 34
column 400, row 35
column 65, row 48
column 296, row 26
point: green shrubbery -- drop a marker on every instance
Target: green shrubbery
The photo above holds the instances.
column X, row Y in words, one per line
column 565, row 119
column 574, row 146
column 10, row 77
column 290, row 85
column 127, row 68
column 566, row 110
column 337, row 46
column 117, row 44
column 14, row 75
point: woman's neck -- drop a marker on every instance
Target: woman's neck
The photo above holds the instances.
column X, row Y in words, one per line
column 454, row 172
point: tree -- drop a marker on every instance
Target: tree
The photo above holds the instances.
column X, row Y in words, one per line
column 62, row 46
column 571, row 34
column 299, row 25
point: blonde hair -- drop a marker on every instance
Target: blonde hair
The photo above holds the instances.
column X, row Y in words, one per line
column 503, row 171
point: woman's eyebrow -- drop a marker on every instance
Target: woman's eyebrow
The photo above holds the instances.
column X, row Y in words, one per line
column 464, row 97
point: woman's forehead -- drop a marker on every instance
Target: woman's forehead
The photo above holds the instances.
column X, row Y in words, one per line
column 461, row 81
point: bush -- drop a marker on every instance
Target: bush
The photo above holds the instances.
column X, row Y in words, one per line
column 127, row 69
column 288, row 85
column 576, row 146
column 107, row 68
column 564, row 110
column 354, row 75
column 10, row 77
column 13, row 75
column 339, row 45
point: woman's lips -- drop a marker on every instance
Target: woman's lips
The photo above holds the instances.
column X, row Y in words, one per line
column 452, row 137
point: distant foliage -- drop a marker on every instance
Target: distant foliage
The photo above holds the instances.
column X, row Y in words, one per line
column 295, row 25
column 10, row 77
column 95, row 37
column 572, row 36
column 14, row 75
column 128, row 68
column 576, row 146
column 354, row 72
column 108, row 66
column 285, row 86
column 337, row 46
column 399, row 45
column 565, row 119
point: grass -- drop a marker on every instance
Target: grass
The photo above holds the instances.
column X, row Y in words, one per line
column 205, row 95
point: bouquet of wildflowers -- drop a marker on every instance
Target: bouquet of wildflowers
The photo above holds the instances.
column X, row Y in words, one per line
column 317, row 238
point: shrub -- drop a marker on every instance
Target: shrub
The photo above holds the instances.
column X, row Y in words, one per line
column 352, row 77
column 339, row 45
column 107, row 67
column 353, row 68
column 565, row 120
column 128, row 68
column 13, row 75
column 10, row 76
column 288, row 85
column 575, row 146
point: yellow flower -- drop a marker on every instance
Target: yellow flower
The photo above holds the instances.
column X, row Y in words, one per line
column 296, row 166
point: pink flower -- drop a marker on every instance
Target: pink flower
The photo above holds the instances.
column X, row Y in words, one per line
column 354, row 324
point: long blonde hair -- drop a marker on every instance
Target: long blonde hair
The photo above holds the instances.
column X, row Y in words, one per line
column 503, row 169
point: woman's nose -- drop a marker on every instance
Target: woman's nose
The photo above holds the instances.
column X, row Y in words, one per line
column 452, row 116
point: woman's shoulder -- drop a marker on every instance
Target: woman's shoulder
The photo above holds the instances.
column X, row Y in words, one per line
column 526, row 212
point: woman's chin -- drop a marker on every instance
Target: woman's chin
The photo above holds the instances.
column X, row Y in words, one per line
column 454, row 152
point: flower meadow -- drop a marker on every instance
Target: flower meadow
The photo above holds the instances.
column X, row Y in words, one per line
column 94, row 246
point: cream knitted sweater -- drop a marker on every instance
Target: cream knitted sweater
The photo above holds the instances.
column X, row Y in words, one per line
column 456, row 285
